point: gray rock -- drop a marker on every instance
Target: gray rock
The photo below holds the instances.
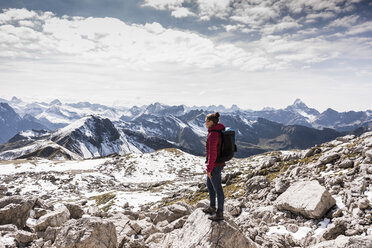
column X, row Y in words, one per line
column 38, row 212
column 87, row 232
column 123, row 228
column 76, row 211
column 329, row 157
column 365, row 168
column 269, row 161
column 51, row 233
column 199, row 231
column 346, row 138
column 368, row 153
column 25, row 237
column 171, row 212
column 15, row 210
column 255, row 184
column 358, row 186
column 95, row 211
column 135, row 226
column 202, row 204
column 308, row 153
column 281, row 185
column 349, row 242
column 150, row 229
column 347, row 163
column 3, row 190
column 292, row 228
column 294, row 172
column 233, row 207
column 307, row 198
column 363, row 203
column 336, row 228
column 154, row 239
column 180, row 209
column 53, row 219
column 8, row 228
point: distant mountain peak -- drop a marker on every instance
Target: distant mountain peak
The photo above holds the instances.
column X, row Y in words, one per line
column 299, row 103
column 16, row 100
column 55, row 102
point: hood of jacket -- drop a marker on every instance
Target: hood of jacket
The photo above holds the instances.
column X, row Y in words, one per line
column 217, row 127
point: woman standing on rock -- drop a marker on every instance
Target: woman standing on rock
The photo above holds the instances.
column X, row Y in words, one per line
column 214, row 169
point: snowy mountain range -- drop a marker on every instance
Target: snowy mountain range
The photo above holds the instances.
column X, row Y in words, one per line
column 85, row 130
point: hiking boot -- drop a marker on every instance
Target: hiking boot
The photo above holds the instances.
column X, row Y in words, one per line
column 217, row 217
column 209, row 210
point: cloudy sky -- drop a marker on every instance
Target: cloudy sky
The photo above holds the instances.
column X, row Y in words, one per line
column 253, row 53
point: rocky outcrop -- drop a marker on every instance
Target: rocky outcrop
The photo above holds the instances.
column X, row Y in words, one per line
column 343, row 242
column 329, row 157
column 280, row 199
column 308, row 198
column 76, row 211
column 15, row 210
column 199, row 231
column 171, row 212
column 256, row 184
column 87, row 232
column 53, row 219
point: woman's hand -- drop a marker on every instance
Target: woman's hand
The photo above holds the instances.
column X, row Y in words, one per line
column 209, row 175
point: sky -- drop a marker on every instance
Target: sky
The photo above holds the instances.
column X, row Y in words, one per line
column 252, row 53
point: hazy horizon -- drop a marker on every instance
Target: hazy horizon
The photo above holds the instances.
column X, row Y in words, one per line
column 189, row 106
column 254, row 54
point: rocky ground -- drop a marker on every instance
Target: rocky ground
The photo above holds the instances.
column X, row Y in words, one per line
column 319, row 197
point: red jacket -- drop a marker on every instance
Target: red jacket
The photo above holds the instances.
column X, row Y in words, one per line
column 213, row 146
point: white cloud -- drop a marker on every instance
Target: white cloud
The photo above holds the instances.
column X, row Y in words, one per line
column 230, row 28
column 215, row 8
column 360, row 28
column 322, row 15
column 286, row 23
column 175, row 6
column 16, row 14
column 111, row 41
column 163, row 4
column 346, row 21
column 180, row 12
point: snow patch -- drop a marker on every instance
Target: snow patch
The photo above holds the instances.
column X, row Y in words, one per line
column 280, row 229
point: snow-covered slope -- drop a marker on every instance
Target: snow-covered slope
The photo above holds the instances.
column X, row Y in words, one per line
column 88, row 137
column 93, row 136
column 130, row 177
column 40, row 148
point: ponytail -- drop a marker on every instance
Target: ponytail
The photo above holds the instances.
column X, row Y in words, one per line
column 214, row 117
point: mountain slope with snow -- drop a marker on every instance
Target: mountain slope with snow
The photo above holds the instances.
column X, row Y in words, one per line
column 88, row 137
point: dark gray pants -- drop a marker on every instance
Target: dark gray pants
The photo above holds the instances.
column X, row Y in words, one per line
column 215, row 188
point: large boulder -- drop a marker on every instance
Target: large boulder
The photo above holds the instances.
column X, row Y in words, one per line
column 343, row 241
column 199, row 231
column 123, row 228
column 329, row 157
column 307, row 198
column 15, row 210
column 171, row 213
column 53, row 219
column 87, row 232
column 255, row 184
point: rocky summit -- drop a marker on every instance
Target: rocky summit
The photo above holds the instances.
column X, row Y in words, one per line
column 318, row 197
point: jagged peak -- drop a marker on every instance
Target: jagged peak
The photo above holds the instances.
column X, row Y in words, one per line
column 299, row 103
column 55, row 102
column 77, row 124
column 15, row 100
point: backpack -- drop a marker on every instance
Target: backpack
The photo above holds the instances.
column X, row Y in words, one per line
column 228, row 145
